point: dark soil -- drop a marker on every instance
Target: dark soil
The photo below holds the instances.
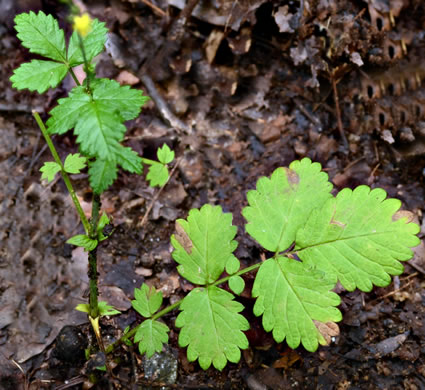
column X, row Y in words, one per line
column 238, row 89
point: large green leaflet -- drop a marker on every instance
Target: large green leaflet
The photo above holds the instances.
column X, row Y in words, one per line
column 280, row 205
column 355, row 237
column 204, row 244
column 39, row 75
column 40, row 33
column 98, row 122
column 290, row 296
column 212, row 327
column 97, row 119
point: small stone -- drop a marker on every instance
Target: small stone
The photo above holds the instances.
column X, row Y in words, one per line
column 161, row 367
column 70, row 344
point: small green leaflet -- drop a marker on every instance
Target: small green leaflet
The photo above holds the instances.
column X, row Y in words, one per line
column 204, row 244
column 74, row 163
column 158, row 171
column 354, row 237
column 280, row 205
column 290, row 296
column 147, row 300
column 165, row 154
column 212, row 327
column 84, row 241
column 103, row 221
column 107, row 310
column 38, row 75
column 151, row 335
column 49, row 170
column 104, row 308
column 157, row 174
column 40, row 33
column 236, row 284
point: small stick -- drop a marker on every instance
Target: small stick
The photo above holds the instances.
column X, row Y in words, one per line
column 307, row 113
column 154, row 8
column 162, row 106
column 145, row 217
column 338, row 113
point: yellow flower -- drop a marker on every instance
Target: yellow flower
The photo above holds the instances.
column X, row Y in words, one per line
column 82, row 24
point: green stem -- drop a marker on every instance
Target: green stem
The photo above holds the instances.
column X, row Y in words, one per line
column 86, row 64
column 71, row 72
column 63, row 172
column 92, row 272
column 241, row 272
column 175, row 305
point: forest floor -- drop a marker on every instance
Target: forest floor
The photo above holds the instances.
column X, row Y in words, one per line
column 238, row 89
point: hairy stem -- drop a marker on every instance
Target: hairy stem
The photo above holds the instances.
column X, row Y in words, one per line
column 92, row 272
column 63, row 173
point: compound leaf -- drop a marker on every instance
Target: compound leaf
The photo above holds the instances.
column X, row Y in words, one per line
column 281, row 205
column 102, row 173
column 93, row 42
column 165, row 154
column 157, row 174
column 151, row 335
column 38, row 75
column 40, row 33
column 98, row 119
column 74, row 163
column 84, row 241
column 204, row 244
column 290, row 296
column 354, row 237
column 212, row 327
column 147, row 300
column 49, row 170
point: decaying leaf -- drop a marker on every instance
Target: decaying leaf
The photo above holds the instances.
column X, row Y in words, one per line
column 327, row 330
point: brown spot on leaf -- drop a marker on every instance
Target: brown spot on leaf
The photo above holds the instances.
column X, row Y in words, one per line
column 327, row 330
column 293, row 178
column 183, row 238
column 410, row 217
column 340, row 224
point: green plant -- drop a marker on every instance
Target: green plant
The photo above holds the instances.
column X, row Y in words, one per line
column 96, row 111
column 316, row 239
column 313, row 239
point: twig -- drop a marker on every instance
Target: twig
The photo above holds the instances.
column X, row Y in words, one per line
column 392, row 292
column 162, row 106
column 307, row 114
column 154, row 8
column 338, row 112
column 148, row 210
